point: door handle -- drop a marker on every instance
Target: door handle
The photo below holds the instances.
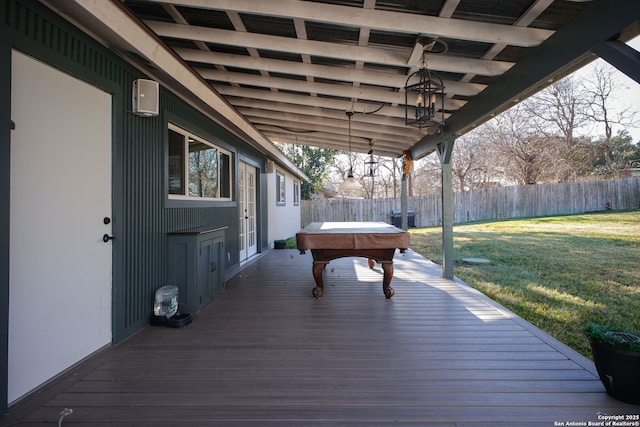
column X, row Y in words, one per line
column 106, row 238
column 214, row 266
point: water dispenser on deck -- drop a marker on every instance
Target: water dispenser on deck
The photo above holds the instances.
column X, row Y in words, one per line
column 165, row 309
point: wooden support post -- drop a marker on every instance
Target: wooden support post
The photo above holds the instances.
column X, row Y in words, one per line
column 445, row 150
column 404, row 203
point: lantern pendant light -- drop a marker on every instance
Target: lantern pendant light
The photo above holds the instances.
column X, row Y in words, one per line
column 372, row 163
column 424, row 92
column 350, row 183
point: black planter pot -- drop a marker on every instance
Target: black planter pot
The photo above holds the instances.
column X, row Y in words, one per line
column 619, row 371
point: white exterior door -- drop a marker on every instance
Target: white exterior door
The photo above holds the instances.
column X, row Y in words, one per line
column 60, row 268
column 247, row 205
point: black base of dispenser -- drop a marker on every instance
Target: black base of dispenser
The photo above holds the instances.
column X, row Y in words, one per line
column 178, row 320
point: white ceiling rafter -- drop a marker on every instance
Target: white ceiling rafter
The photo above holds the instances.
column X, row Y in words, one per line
column 387, row 85
column 278, row 43
column 334, row 142
column 304, row 100
column 399, row 133
column 527, row 18
column 378, row 19
column 365, row 93
column 394, row 118
column 436, row 63
column 301, row 33
column 391, row 83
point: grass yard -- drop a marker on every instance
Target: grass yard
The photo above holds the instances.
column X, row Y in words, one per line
column 559, row 273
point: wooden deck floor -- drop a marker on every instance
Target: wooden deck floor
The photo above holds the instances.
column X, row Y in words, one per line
column 267, row 353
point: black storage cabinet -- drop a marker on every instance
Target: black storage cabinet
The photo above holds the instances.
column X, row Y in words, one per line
column 195, row 263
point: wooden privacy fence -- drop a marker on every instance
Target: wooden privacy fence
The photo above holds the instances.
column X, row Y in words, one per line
column 486, row 204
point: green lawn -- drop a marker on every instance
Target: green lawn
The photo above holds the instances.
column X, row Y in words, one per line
column 559, row 273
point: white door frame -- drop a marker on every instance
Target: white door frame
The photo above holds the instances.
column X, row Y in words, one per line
column 247, row 196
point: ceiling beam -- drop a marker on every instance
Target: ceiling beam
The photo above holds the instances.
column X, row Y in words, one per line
column 450, row 64
column 278, row 43
column 448, row 8
column 337, row 139
column 333, row 143
column 392, row 116
column 363, row 136
column 620, row 55
column 399, row 132
column 301, row 33
column 370, row 93
column 379, row 19
column 527, row 18
column 336, row 104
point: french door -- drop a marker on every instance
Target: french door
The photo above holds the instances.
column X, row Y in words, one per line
column 247, row 205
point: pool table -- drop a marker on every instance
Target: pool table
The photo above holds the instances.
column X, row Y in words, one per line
column 376, row 241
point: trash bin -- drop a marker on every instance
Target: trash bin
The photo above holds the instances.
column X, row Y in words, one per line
column 396, row 219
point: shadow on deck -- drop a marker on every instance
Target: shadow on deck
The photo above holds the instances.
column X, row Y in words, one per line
column 266, row 353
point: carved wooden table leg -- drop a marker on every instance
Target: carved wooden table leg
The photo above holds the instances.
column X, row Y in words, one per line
column 318, row 268
column 387, row 268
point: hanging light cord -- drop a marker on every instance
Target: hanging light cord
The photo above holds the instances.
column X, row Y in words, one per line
column 376, row 110
column 349, row 114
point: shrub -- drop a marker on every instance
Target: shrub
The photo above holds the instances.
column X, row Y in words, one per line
column 621, row 340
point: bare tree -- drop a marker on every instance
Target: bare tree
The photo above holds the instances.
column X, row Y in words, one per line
column 601, row 88
column 385, row 174
column 561, row 110
column 426, row 176
column 472, row 162
column 520, row 151
column 542, row 139
column 381, row 184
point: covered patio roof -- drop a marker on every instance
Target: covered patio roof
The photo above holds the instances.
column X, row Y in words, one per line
column 289, row 70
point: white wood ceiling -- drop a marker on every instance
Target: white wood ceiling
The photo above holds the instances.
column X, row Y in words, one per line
column 305, row 100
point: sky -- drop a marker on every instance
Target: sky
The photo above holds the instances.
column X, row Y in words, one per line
column 629, row 93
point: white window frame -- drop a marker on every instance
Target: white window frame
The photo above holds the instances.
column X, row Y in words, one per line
column 281, row 189
column 296, row 193
column 220, row 151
